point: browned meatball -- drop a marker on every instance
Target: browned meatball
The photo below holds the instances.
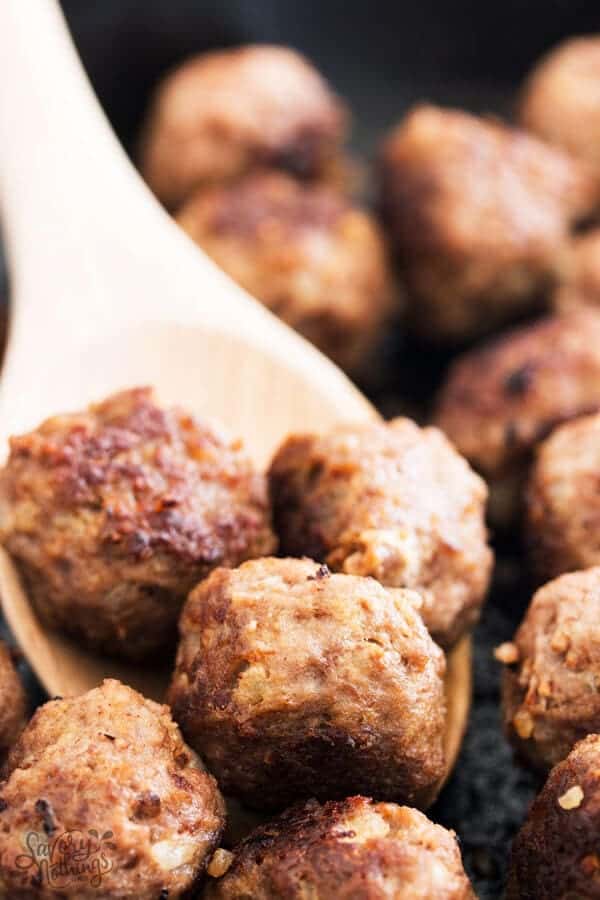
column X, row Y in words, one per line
column 224, row 113
column 292, row 682
column 560, row 99
column 478, row 213
column 306, row 253
column 501, row 400
column 13, row 702
column 555, row 855
column 353, row 849
column 580, row 273
column 563, row 500
column 105, row 783
column 393, row 501
column 550, row 686
column 113, row 514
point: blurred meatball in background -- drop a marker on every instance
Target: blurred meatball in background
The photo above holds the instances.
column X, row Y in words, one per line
column 227, row 112
column 293, row 682
column 303, row 250
column 550, row 695
column 555, row 854
column 392, row 501
column 352, row 849
column 109, row 768
column 477, row 212
column 560, row 99
column 504, row 397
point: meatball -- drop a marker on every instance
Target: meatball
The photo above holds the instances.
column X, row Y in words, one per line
column 113, row 514
column 13, row 702
column 105, row 783
column 393, row 501
column 555, row 855
column 502, row 399
column 550, row 683
column 224, row 113
column 352, row 849
column 292, row 682
column 559, row 102
column 563, row 500
column 306, row 253
column 580, row 273
column 478, row 213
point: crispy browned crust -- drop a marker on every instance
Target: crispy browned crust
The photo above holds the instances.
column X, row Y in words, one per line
column 310, row 256
column 555, row 855
column 113, row 514
column 108, row 762
column 228, row 112
column 550, row 697
column 478, row 213
column 13, row 701
column 292, row 682
column 353, row 849
column 563, row 502
column 559, row 101
column 502, row 399
column 392, row 501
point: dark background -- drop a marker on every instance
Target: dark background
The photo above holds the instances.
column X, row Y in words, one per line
column 381, row 56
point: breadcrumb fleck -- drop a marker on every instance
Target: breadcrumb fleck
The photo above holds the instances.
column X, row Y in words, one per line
column 507, row 653
column 572, row 798
column 220, row 863
column 523, row 724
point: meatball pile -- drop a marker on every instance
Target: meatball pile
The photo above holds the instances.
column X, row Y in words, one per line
column 560, row 99
column 292, row 682
column 113, row 515
column 310, row 256
column 478, row 213
column 555, row 855
column 351, row 850
column 228, row 112
column 500, row 400
column 392, row 501
column 105, row 782
column 13, row 702
column 552, row 673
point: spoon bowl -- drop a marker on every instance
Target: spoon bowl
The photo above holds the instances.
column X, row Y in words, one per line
column 108, row 293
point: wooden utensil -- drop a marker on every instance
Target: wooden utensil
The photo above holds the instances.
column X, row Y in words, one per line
column 108, row 293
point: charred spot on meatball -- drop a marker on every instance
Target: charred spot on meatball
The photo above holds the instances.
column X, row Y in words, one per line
column 353, row 849
column 392, row 501
column 550, row 699
column 555, row 854
column 292, row 685
column 304, row 251
column 113, row 514
column 229, row 112
column 62, row 781
column 478, row 213
column 502, row 399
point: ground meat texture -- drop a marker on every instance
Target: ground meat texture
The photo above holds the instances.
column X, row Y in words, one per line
column 392, row 501
column 108, row 769
column 500, row 400
column 555, row 855
column 580, row 273
column 478, row 213
column 113, row 514
column 550, row 684
column 354, row 849
column 13, row 701
column 292, row 682
column 227, row 112
column 563, row 500
column 560, row 99
column 303, row 250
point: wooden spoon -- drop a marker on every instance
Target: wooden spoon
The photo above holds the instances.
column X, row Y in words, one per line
column 108, row 293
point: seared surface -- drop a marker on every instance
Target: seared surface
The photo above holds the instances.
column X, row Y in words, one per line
column 292, row 682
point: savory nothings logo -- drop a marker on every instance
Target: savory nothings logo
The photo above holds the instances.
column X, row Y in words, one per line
column 71, row 857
